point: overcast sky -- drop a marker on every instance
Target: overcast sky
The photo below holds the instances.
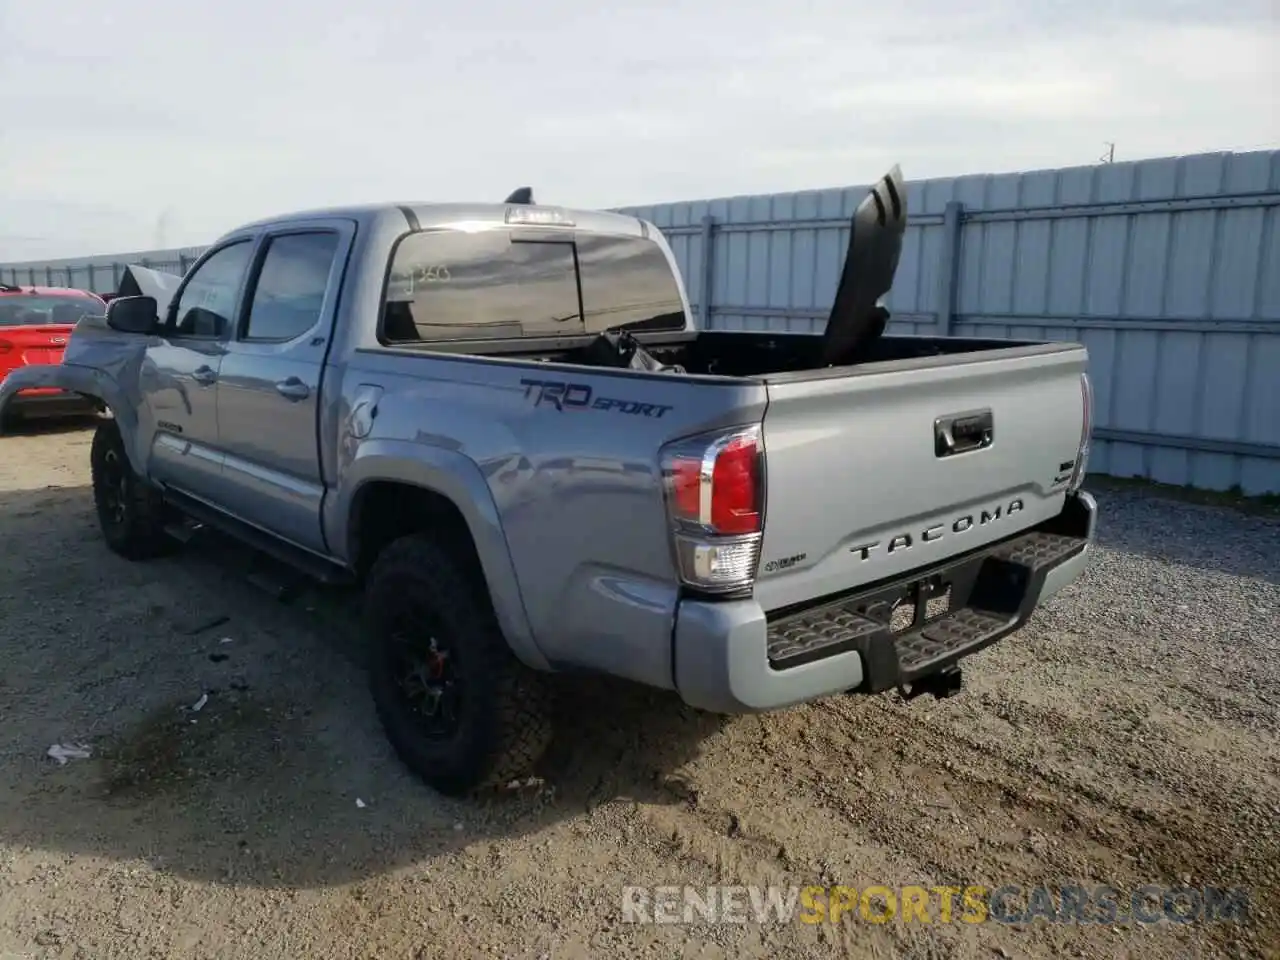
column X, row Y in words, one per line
column 134, row 124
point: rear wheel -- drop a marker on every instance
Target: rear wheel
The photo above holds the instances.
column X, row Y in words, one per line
column 461, row 711
column 130, row 513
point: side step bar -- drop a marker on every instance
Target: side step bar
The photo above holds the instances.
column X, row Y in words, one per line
column 301, row 560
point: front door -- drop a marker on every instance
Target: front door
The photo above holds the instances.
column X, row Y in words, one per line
column 179, row 375
column 269, row 387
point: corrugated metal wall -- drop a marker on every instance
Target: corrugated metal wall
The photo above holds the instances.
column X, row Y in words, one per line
column 100, row 274
column 1168, row 270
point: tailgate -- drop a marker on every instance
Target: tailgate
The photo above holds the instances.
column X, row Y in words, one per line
column 865, row 478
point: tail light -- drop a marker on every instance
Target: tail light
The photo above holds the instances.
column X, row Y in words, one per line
column 1086, row 428
column 714, row 486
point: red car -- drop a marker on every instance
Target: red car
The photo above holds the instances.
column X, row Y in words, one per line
column 35, row 324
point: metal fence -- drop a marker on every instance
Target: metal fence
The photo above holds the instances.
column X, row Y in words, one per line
column 100, row 274
column 1167, row 270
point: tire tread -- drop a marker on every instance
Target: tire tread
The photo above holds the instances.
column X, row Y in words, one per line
column 143, row 536
column 516, row 728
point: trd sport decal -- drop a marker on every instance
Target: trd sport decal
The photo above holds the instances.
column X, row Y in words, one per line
column 579, row 396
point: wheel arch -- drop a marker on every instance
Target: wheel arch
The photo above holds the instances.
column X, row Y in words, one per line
column 394, row 488
column 88, row 381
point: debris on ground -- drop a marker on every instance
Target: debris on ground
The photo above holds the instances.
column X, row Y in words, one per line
column 206, row 625
column 62, row 752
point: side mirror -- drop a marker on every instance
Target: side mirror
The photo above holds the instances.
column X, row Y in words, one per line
column 133, row 314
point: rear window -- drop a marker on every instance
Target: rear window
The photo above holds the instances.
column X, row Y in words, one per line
column 448, row 285
column 627, row 282
column 30, row 309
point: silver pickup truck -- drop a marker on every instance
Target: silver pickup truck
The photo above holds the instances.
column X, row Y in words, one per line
column 501, row 420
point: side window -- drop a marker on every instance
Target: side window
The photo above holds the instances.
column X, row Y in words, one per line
column 289, row 293
column 208, row 301
column 449, row 285
column 627, row 282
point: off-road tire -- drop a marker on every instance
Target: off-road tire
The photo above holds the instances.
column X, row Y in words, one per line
column 132, row 514
column 504, row 722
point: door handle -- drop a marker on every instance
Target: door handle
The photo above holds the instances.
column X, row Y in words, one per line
column 293, row 389
column 204, row 374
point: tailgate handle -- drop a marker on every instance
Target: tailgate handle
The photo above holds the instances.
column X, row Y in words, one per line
column 963, row 432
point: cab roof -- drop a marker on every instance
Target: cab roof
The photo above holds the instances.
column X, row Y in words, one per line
column 423, row 215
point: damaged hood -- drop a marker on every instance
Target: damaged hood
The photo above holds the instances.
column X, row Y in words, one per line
column 139, row 281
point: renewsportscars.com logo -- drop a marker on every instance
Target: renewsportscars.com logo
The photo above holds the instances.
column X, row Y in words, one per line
column 1010, row 904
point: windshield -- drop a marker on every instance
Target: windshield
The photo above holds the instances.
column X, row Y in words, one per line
column 32, row 309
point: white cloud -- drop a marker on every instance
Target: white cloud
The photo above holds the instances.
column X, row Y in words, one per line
column 113, row 114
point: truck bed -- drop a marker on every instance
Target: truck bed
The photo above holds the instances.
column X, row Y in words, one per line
column 861, row 486
column 772, row 355
column 743, row 354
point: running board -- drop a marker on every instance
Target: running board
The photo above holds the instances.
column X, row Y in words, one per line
column 304, row 561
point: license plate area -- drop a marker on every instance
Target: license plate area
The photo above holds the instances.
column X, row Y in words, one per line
column 968, row 603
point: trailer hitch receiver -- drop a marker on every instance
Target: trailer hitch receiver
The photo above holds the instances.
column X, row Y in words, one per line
column 945, row 683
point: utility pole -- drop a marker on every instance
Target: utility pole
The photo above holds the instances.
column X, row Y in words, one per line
column 162, row 222
column 1110, row 155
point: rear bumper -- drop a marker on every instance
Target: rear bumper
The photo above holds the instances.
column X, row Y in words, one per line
column 731, row 657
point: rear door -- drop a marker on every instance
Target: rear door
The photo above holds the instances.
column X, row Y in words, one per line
column 269, row 385
column 876, row 471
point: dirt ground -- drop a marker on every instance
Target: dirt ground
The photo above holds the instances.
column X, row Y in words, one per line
column 1127, row 737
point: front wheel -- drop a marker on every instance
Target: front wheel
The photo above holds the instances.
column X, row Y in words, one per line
column 130, row 513
column 460, row 710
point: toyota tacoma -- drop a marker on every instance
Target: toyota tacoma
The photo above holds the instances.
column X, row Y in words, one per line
column 502, row 422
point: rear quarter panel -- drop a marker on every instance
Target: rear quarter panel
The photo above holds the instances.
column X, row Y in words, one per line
column 575, row 487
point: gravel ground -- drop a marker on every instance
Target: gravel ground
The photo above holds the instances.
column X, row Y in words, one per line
column 1127, row 736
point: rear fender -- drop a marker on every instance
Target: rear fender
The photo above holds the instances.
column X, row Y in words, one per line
column 460, row 480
